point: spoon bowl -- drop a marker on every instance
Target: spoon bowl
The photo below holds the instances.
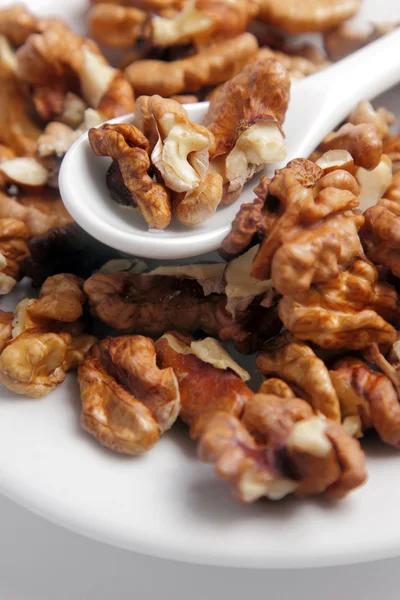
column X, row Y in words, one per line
column 318, row 103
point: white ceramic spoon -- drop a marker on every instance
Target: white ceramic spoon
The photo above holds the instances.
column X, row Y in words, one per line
column 318, row 103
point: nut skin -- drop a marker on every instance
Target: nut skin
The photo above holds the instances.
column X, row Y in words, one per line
column 213, row 66
column 241, row 102
column 127, row 145
column 6, row 319
column 362, row 141
column 115, row 26
column 32, row 364
column 297, row 66
column 299, row 17
column 371, row 394
column 262, row 455
column 204, row 389
column 308, row 200
column 13, row 246
column 153, row 304
column 192, row 208
column 297, row 364
column 382, row 118
column 40, row 209
column 339, row 313
column 127, row 401
column 17, row 24
column 61, row 299
column 346, row 39
column 381, row 231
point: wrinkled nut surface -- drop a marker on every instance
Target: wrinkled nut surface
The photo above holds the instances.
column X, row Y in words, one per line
column 319, row 457
column 33, row 364
column 297, row 66
column 340, row 313
column 13, row 251
column 362, row 141
column 6, row 326
column 127, row 401
column 115, row 26
column 298, row 17
column 181, row 151
column 297, row 364
column 370, row 395
column 192, row 208
column 127, row 145
column 203, row 21
column 213, row 66
column 207, row 382
column 382, row 118
column 381, row 232
column 61, row 299
column 311, row 233
column 40, row 209
column 347, row 38
column 245, row 117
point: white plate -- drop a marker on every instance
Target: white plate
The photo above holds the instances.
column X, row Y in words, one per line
column 169, row 504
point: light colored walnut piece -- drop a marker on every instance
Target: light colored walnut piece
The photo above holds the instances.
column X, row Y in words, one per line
column 179, row 147
column 246, row 117
column 203, row 22
column 32, row 364
column 128, row 146
column 381, row 233
column 212, row 66
column 27, row 172
column 362, row 141
column 382, row 118
column 370, row 395
column 115, row 26
column 374, row 183
column 296, row 16
column 127, row 401
column 312, row 233
column 341, row 313
column 297, row 364
column 192, row 208
column 209, row 380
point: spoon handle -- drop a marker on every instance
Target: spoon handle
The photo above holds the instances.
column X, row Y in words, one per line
column 319, row 102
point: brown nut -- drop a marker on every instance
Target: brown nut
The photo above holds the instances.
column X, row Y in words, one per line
column 127, row 401
column 347, row 38
column 209, row 380
column 203, row 21
column 61, row 299
column 296, row 66
column 115, row 26
column 381, row 231
column 297, row 364
column 40, row 209
column 179, row 147
column 245, row 117
column 339, row 313
column 391, row 147
column 362, row 141
column 297, row 17
column 126, row 145
column 310, row 233
column 192, row 208
column 32, row 364
column 369, row 394
column 6, row 327
column 17, row 24
column 213, row 66
column 382, row 118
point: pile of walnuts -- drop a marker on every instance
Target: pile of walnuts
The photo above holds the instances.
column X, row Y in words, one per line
column 310, row 283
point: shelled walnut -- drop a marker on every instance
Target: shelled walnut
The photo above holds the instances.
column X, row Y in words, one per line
column 46, row 338
column 127, row 401
column 245, row 117
column 13, row 251
column 280, row 447
column 209, row 379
